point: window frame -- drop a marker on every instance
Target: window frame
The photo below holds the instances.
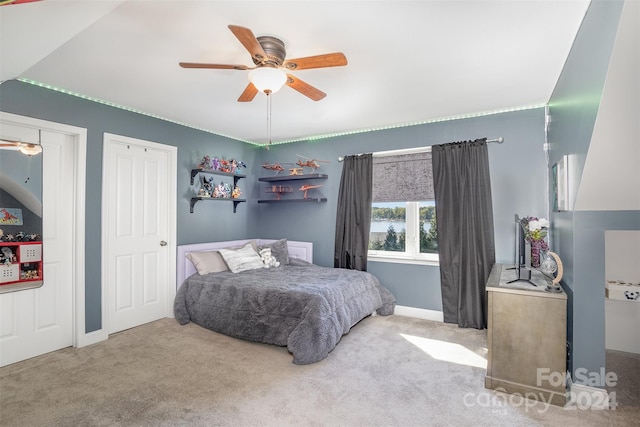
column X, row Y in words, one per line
column 411, row 254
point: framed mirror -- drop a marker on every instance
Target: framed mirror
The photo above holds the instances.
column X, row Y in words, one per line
column 21, row 265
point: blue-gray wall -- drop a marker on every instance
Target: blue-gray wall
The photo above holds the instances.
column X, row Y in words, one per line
column 518, row 173
column 207, row 223
column 579, row 236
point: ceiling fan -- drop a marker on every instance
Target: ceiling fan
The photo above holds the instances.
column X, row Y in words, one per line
column 268, row 54
column 27, row 148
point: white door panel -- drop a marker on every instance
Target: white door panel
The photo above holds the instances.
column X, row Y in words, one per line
column 38, row 321
column 138, row 187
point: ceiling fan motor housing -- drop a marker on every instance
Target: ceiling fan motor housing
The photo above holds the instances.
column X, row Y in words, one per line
column 275, row 50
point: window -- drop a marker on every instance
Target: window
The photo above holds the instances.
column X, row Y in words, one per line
column 403, row 217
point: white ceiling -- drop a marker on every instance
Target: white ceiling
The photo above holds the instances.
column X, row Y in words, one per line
column 409, row 61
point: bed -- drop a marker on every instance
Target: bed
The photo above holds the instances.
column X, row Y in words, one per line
column 298, row 305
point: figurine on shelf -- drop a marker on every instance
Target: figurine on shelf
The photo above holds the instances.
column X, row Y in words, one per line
column 225, row 166
column 221, row 191
column 29, row 274
column 7, row 256
column 241, row 165
column 207, row 185
column 236, row 192
column 205, row 163
column 31, row 237
column 227, row 191
column 215, row 164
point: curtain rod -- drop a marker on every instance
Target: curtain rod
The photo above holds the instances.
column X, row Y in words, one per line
column 499, row 140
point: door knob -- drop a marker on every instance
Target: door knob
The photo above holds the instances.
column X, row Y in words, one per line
column 163, row 243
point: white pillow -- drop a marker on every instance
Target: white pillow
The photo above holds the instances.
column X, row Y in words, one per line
column 242, row 259
column 207, row 262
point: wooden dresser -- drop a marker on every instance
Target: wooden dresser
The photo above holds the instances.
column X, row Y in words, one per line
column 526, row 337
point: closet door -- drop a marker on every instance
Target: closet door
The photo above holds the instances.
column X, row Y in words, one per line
column 139, row 197
column 38, row 321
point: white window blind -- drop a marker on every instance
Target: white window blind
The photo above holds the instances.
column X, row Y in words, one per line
column 403, row 177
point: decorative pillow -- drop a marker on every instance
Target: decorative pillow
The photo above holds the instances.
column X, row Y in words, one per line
column 207, row 262
column 242, row 259
column 279, row 250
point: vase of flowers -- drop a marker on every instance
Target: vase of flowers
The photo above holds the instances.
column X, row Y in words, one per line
column 535, row 230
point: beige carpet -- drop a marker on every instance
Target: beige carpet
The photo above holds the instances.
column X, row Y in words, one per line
column 388, row 371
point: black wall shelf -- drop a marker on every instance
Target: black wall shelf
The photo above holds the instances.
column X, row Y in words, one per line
column 235, row 176
column 281, row 178
column 195, row 200
column 308, row 199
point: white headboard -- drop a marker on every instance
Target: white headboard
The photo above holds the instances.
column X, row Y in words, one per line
column 184, row 267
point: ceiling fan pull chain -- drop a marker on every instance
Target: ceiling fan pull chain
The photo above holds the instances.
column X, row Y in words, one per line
column 28, row 169
column 269, row 118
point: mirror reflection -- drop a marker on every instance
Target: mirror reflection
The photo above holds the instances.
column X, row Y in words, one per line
column 20, row 219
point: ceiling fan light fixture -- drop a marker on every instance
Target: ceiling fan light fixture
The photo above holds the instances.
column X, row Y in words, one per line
column 267, row 79
column 30, row 149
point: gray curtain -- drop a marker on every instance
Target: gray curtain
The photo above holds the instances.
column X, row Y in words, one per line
column 353, row 218
column 465, row 229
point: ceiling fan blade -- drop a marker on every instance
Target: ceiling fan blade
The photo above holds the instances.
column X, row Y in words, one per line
column 336, row 59
column 215, row 66
column 305, row 88
column 249, row 93
column 8, row 144
column 249, row 41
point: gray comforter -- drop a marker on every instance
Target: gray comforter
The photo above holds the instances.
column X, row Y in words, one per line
column 302, row 306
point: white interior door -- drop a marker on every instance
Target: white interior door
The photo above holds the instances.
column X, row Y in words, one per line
column 38, row 321
column 139, row 197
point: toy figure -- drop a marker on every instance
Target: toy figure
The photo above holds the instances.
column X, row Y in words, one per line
column 241, row 165
column 221, row 193
column 268, row 259
column 207, row 184
column 236, row 192
column 7, row 255
column 227, row 191
column 215, row 164
column 205, row 163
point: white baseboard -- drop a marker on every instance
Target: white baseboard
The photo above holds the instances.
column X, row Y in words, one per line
column 91, row 338
column 587, row 397
column 419, row 313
